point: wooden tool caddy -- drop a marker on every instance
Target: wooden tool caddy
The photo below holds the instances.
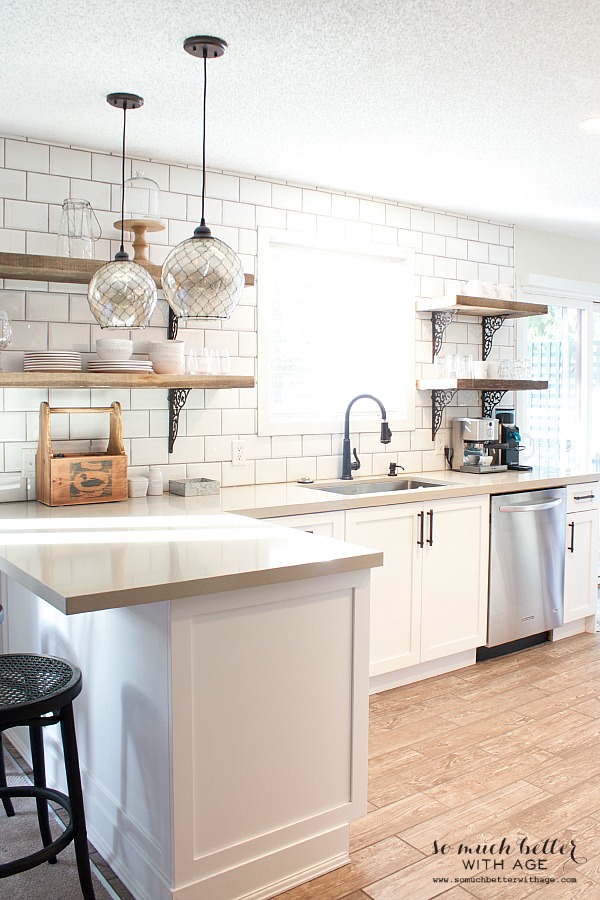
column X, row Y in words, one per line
column 67, row 479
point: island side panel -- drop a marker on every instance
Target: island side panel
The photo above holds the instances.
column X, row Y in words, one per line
column 270, row 723
column 123, row 725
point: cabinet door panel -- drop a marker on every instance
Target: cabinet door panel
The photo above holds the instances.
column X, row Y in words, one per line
column 455, row 575
column 581, row 565
column 395, row 586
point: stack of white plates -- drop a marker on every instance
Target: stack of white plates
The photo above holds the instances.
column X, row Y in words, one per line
column 52, row 361
column 142, row 366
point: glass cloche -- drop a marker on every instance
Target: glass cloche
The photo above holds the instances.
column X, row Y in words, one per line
column 142, row 198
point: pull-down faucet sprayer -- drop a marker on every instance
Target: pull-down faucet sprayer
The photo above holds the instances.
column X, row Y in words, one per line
column 348, row 466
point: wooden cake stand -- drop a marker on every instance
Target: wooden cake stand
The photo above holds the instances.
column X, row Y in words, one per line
column 139, row 228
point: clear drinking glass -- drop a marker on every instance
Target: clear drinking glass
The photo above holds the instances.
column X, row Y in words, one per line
column 5, row 332
column 219, row 362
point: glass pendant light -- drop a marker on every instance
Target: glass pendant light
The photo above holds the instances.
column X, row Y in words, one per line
column 122, row 294
column 202, row 277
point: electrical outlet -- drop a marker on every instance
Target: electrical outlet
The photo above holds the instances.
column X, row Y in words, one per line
column 238, row 453
column 440, row 442
column 28, row 462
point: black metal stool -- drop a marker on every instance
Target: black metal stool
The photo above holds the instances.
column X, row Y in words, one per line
column 37, row 691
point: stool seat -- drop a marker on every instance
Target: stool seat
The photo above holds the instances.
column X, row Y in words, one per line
column 31, row 685
column 37, row 691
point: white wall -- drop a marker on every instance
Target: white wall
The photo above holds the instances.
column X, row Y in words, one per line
column 35, row 178
column 556, row 256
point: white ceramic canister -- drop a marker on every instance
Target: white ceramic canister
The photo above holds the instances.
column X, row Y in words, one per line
column 155, row 481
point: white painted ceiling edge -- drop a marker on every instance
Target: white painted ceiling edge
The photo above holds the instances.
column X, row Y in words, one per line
column 464, row 105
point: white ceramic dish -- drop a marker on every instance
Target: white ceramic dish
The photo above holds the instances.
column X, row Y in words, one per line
column 114, row 348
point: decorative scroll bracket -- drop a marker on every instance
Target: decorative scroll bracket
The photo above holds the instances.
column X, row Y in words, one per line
column 439, row 323
column 177, row 398
column 173, row 325
column 490, row 399
column 489, row 326
column 439, row 401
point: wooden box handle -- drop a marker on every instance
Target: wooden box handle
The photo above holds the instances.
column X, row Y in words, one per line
column 115, row 442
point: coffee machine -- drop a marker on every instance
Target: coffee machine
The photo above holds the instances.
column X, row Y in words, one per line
column 510, row 441
column 474, row 440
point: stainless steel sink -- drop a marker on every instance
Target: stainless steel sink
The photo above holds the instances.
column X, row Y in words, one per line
column 376, row 487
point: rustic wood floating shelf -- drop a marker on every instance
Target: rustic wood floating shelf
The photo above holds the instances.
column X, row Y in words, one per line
column 30, row 267
column 493, row 314
column 492, row 392
column 62, row 270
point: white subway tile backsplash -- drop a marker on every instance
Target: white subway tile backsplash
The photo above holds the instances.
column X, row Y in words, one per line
column 371, row 211
column 317, row 202
column 221, row 187
column 397, row 216
column 239, row 215
column 238, row 421
column 304, row 222
column 477, row 251
column 13, row 183
column 254, row 191
column 58, row 316
column 107, row 168
column 343, row 207
column 27, row 156
column 286, row 197
column 269, row 471
column 21, row 214
column 74, row 163
column 468, row 229
column 47, row 307
column 422, row 220
column 435, row 244
column 13, row 426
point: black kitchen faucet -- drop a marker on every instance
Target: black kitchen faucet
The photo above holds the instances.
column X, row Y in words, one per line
column 348, row 466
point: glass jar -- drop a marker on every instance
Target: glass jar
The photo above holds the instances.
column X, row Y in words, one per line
column 142, row 198
column 78, row 229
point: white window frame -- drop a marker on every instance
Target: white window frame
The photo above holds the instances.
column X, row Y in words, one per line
column 368, row 420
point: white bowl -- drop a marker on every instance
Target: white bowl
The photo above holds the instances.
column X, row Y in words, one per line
column 114, row 348
column 167, row 367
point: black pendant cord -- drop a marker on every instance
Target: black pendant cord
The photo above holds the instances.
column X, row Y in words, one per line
column 122, row 254
column 203, row 220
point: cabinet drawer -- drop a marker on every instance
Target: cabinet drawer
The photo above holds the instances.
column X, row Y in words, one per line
column 583, row 496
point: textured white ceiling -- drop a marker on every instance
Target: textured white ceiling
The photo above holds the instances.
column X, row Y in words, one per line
column 465, row 105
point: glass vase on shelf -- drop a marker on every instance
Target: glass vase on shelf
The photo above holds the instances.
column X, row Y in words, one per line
column 5, row 333
column 77, row 232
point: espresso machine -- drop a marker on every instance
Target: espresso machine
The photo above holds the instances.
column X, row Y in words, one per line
column 510, row 441
column 474, row 441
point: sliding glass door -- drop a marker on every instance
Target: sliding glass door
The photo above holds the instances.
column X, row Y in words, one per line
column 560, row 427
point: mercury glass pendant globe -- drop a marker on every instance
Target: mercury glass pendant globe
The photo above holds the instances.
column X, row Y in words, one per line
column 203, row 278
column 122, row 294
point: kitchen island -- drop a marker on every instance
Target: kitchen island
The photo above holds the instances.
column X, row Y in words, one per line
column 223, row 723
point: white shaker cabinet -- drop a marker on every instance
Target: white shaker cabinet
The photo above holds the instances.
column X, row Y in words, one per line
column 429, row 600
column 581, row 561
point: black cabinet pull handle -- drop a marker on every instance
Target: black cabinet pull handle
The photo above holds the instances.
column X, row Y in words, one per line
column 421, row 538
column 430, row 538
column 584, row 497
column 571, row 546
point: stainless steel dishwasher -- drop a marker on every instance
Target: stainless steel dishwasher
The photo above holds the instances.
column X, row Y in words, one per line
column 527, row 564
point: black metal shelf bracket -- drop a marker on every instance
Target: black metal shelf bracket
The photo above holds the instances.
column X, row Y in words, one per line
column 439, row 401
column 489, row 326
column 177, row 398
column 490, row 399
column 439, row 323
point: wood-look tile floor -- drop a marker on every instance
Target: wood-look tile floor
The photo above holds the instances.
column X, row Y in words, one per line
column 509, row 748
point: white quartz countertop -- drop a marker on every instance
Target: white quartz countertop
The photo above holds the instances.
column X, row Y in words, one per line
column 105, row 555
column 83, row 560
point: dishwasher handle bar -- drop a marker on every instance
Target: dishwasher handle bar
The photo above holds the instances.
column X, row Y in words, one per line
column 532, row 507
